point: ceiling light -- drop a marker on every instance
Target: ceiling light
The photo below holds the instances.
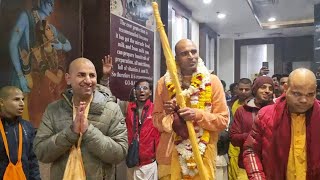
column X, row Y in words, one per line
column 207, row 1
column 221, row 15
column 272, row 19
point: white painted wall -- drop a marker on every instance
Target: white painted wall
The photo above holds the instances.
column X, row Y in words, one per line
column 211, row 54
column 243, row 62
column 209, row 58
column 194, row 31
column 270, row 58
column 157, row 49
column 225, row 69
column 256, row 54
column 251, row 58
column 179, row 28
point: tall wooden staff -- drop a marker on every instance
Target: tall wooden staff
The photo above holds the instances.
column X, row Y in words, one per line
column 171, row 66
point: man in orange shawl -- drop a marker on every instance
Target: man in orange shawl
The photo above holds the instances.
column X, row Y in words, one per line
column 202, row 90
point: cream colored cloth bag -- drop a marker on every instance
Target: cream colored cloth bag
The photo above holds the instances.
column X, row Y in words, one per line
column 75, row 168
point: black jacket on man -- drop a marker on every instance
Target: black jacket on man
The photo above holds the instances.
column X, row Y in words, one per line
column 29, row 160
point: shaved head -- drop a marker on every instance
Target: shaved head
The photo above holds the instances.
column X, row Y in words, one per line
column 11, row 102
column 182, row 42
column 186, row 56
column 7, row 90
column 75, row 63
column 82, row 77
column 301, row 90
column 302, row 76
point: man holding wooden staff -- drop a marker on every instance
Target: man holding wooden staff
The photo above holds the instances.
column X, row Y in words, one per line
column 206, row 109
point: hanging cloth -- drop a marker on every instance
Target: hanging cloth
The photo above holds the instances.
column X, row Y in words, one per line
column 13, row 171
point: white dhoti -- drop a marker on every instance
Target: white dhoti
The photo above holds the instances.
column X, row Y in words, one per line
column 145, row 172
column 222, row 167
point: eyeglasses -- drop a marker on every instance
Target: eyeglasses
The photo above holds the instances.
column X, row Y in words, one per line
column 140, row 88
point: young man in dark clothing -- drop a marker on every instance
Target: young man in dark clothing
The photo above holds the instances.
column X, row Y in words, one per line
column 14, row 127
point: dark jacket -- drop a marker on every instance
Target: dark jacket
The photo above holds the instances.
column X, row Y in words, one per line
column 29, row 160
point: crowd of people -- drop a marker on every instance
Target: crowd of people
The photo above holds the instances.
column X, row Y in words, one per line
column 266, row 129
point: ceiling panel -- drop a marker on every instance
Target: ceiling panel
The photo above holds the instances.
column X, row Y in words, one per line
column 241, row 22
column 288, row 13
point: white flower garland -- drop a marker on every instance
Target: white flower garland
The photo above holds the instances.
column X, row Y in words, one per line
column 201, row 69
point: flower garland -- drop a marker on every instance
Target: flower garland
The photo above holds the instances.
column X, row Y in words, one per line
column 199, row 95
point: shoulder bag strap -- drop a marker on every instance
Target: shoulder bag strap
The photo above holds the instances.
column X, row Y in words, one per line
column 134, row 125
column 145, row 113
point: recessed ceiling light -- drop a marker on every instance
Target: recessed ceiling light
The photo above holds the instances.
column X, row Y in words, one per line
column 272, row 19
column 221, row 15
column 207, row 1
